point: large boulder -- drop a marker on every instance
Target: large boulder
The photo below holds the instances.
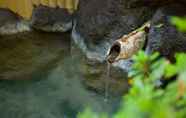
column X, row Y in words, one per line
column 99, row 23
column 163, row 36
column 51, row 19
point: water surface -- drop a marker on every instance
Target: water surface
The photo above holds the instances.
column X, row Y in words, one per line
column 42, row 76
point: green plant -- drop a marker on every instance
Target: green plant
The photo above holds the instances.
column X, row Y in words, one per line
column 146, row 99
column 179, row 22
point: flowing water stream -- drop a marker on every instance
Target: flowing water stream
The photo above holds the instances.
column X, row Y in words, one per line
column 107, row 79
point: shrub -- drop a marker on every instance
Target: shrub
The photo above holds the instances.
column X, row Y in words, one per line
column 146, row 98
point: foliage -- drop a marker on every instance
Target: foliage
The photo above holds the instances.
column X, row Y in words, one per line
column 179, row 22
column 146, row 98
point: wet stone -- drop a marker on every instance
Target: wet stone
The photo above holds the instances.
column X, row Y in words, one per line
column 11, row 23
column 51, row 19
column 107, row 21
column 163, row 36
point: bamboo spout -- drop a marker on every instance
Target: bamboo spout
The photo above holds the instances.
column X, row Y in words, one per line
column 128, row 45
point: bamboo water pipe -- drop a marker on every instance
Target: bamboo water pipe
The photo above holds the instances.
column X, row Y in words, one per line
column 128, row 45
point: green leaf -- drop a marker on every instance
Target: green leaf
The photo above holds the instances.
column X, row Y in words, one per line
column 179, row 22
column 170, row 70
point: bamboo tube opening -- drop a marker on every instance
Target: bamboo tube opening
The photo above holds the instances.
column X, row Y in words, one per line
column 128, row 45
column 114, row 52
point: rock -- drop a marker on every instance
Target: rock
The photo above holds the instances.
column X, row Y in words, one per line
column 95, row 78
column 99, row 23
column 7, row 17
column 163, row 36
column 22, row 55
column 94, row 74
column 11, row 23
column 51, row 19
column 153, row 3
